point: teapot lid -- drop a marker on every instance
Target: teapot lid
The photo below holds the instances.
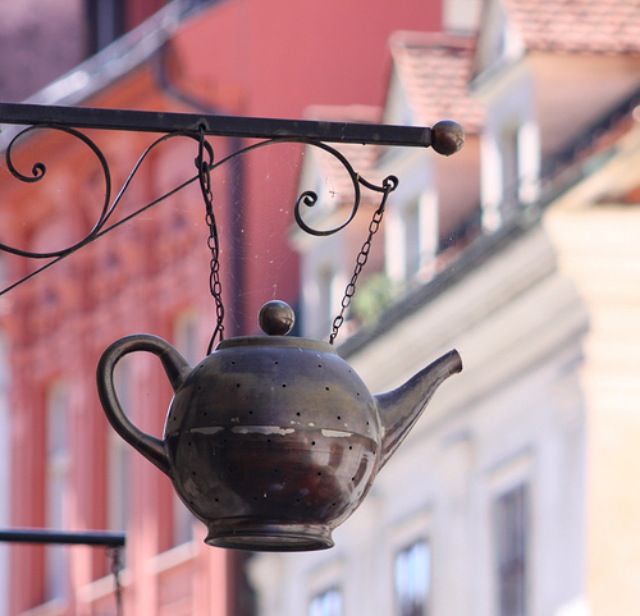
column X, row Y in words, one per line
column 276, row 319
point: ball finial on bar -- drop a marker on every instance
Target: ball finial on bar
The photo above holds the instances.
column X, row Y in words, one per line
column 447, row 137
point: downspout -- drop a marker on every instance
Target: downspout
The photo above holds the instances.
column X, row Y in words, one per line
column 235, row 190
column 239, row 585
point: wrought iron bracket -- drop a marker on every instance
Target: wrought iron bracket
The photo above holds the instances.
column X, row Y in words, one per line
column 445, row 137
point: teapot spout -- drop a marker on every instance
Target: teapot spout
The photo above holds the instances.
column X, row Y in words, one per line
column 399, row 409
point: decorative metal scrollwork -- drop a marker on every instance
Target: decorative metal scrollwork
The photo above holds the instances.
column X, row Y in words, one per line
column 105, row 224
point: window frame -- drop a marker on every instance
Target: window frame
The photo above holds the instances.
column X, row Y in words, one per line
column 411, row 529
column 511, row 472
column 329, row 576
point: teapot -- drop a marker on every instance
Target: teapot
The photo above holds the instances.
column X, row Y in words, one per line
column 271, row 441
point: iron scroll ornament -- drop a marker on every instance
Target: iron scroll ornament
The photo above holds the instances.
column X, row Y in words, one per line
column 105, row 223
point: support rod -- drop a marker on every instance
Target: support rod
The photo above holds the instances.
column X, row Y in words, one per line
column 219, row 125
column 40, row 535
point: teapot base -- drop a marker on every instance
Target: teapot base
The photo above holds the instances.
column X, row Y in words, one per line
column 240, row 535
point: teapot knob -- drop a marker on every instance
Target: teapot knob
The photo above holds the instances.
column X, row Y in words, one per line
column 276, row 318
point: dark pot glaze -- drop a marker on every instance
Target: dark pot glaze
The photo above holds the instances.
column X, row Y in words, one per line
column 271, row 441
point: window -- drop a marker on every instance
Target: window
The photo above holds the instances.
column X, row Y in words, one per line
column 56, row 488
column 186, row 340
column 510, row 541
column 412, row 241
column 119, row 479
column 510, row 167
column 106, row 19
column 412, row 579
column 326, row 305
column 326, row 603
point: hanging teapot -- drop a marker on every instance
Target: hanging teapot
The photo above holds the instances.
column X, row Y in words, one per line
column 272, row 441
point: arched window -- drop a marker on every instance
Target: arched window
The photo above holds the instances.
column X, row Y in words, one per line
column 57, row 487
column 412, row 579
column 119, row 452
column 186, row 340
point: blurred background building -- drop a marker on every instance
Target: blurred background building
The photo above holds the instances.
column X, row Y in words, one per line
column 64, row 467
column 513, row 496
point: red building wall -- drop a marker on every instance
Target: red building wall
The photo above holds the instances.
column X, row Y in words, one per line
column 240, row 56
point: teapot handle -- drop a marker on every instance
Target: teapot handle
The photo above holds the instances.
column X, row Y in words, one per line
column 176, row 368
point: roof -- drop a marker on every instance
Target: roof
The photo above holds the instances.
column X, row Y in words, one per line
column 597, row 145
column 435, row 70
column 598, row 26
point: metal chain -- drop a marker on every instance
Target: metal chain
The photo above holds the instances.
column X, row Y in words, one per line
column 388, row 185
column 116, row 568
column 213, row 242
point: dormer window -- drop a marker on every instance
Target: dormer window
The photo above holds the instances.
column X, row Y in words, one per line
column 510, row 167
column 510, row 155
column 411, row 238
column 326, row 294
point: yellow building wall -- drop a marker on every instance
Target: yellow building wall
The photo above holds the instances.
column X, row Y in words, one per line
column 599, row 250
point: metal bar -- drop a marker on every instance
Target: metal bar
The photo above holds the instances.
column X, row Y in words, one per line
column 220, row 125
column 40, row 535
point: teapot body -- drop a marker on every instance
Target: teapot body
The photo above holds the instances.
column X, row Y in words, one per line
column 272, row 442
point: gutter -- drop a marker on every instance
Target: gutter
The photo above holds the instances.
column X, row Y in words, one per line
column 236, row 195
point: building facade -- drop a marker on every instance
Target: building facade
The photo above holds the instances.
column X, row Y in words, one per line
column 68, row 470
column 511, row 495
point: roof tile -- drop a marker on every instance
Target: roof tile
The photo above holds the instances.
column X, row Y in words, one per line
column 598, row 26
column 435, row 69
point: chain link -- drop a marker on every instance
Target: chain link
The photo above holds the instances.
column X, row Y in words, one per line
column 389, row 184
column 116, row 567
column 213, row 242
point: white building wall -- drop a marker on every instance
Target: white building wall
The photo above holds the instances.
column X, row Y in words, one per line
column 514, row 413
